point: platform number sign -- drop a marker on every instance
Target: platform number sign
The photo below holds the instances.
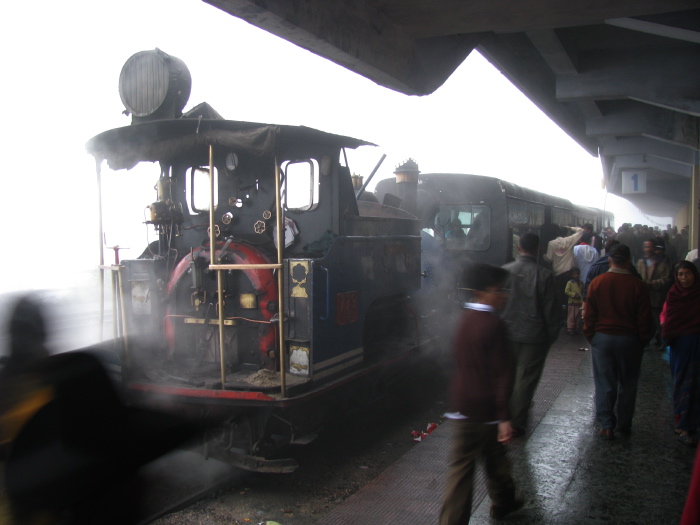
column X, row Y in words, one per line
column 634, row 181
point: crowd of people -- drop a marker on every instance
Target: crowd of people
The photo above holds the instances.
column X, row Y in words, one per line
column 630, row 291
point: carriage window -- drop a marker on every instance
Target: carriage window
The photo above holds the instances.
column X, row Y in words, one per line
column 525, row 214
column 562, row 217
column 198, row 189
column 463, row 226
column 300, row 185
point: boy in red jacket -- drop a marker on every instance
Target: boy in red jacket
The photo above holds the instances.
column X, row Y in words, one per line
column 480, row 393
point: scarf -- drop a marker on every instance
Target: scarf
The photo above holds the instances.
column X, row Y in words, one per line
column 682, row 310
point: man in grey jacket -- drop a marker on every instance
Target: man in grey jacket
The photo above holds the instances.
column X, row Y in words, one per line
column 532, row 321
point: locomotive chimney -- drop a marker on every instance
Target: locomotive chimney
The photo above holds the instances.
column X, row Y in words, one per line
column 357, row 182
column 407, row 185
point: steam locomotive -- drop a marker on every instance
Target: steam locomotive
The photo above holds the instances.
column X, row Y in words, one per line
column 269, row 291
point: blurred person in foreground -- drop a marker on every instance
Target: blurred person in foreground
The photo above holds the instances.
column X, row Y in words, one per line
column 72, row 448
column 480, row 392
column 681, row 328
column 532, row 322
column 617, row 323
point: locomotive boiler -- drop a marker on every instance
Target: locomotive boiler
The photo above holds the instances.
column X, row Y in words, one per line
column 267, row 293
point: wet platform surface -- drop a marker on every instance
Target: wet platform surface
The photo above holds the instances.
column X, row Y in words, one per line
column 564, row 471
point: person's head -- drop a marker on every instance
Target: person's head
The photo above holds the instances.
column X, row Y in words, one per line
column 28, row 331
column 588, row 227
column 648, row 247
column 619, row 256
column 529, row 244
column 575, row 273
column 610, row 243
column 586, row 238
column 687, row 274
column 659, row 246
column 487, row 283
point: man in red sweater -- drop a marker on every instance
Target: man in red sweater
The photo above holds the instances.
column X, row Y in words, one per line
column 617, row 322
column 480, row 394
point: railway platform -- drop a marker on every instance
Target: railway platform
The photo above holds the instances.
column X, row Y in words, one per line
column 564, row 471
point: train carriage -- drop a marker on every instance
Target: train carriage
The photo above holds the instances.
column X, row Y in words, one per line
column 483, row 216
column 466, row 218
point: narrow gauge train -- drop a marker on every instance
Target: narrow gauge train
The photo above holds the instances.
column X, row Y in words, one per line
column 484, row 216
column 476, row 218
column 269, row 291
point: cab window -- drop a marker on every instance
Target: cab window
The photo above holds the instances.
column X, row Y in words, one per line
column 198, row 188
column 300, row 187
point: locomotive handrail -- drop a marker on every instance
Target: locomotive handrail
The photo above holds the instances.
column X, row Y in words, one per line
column 245, row 266
column 328, row 292
column 117, row 301
column 219, row 268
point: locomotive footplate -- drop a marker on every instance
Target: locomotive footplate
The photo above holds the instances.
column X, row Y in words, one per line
column 262, row 380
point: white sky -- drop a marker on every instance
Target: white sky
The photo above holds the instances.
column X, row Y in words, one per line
column 60, row 87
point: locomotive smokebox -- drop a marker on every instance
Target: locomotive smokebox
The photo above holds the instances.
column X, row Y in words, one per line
column 154, row 85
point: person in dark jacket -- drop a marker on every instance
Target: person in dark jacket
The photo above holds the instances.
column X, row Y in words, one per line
column 532, row 323
column 480, row 391
column 602, row 265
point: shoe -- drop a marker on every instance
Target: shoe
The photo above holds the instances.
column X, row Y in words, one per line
column 607, row 434
column 501, row 511
column 687, row 439
column 624, row 430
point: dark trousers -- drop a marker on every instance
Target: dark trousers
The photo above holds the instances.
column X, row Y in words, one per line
column 617, row 361
column 472, row 441
column 529, row 364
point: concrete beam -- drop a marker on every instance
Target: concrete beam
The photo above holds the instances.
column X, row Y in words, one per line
column 667, row 78
column 428, row 18
column 639, row 120
column 362, row 38
column 552, row 50
column 652, row 28
column 649, row 147
column 648, row 162
column 654, row 205
column 659, row 184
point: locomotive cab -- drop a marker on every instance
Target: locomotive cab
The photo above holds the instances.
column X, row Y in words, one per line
column 264, row 281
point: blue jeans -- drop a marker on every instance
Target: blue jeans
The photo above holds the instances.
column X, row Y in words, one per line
column 617, row 360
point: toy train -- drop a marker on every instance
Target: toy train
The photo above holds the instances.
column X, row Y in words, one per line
column 468, row 218
column 269, row 291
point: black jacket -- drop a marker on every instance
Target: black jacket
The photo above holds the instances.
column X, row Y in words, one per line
column 532, row 314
